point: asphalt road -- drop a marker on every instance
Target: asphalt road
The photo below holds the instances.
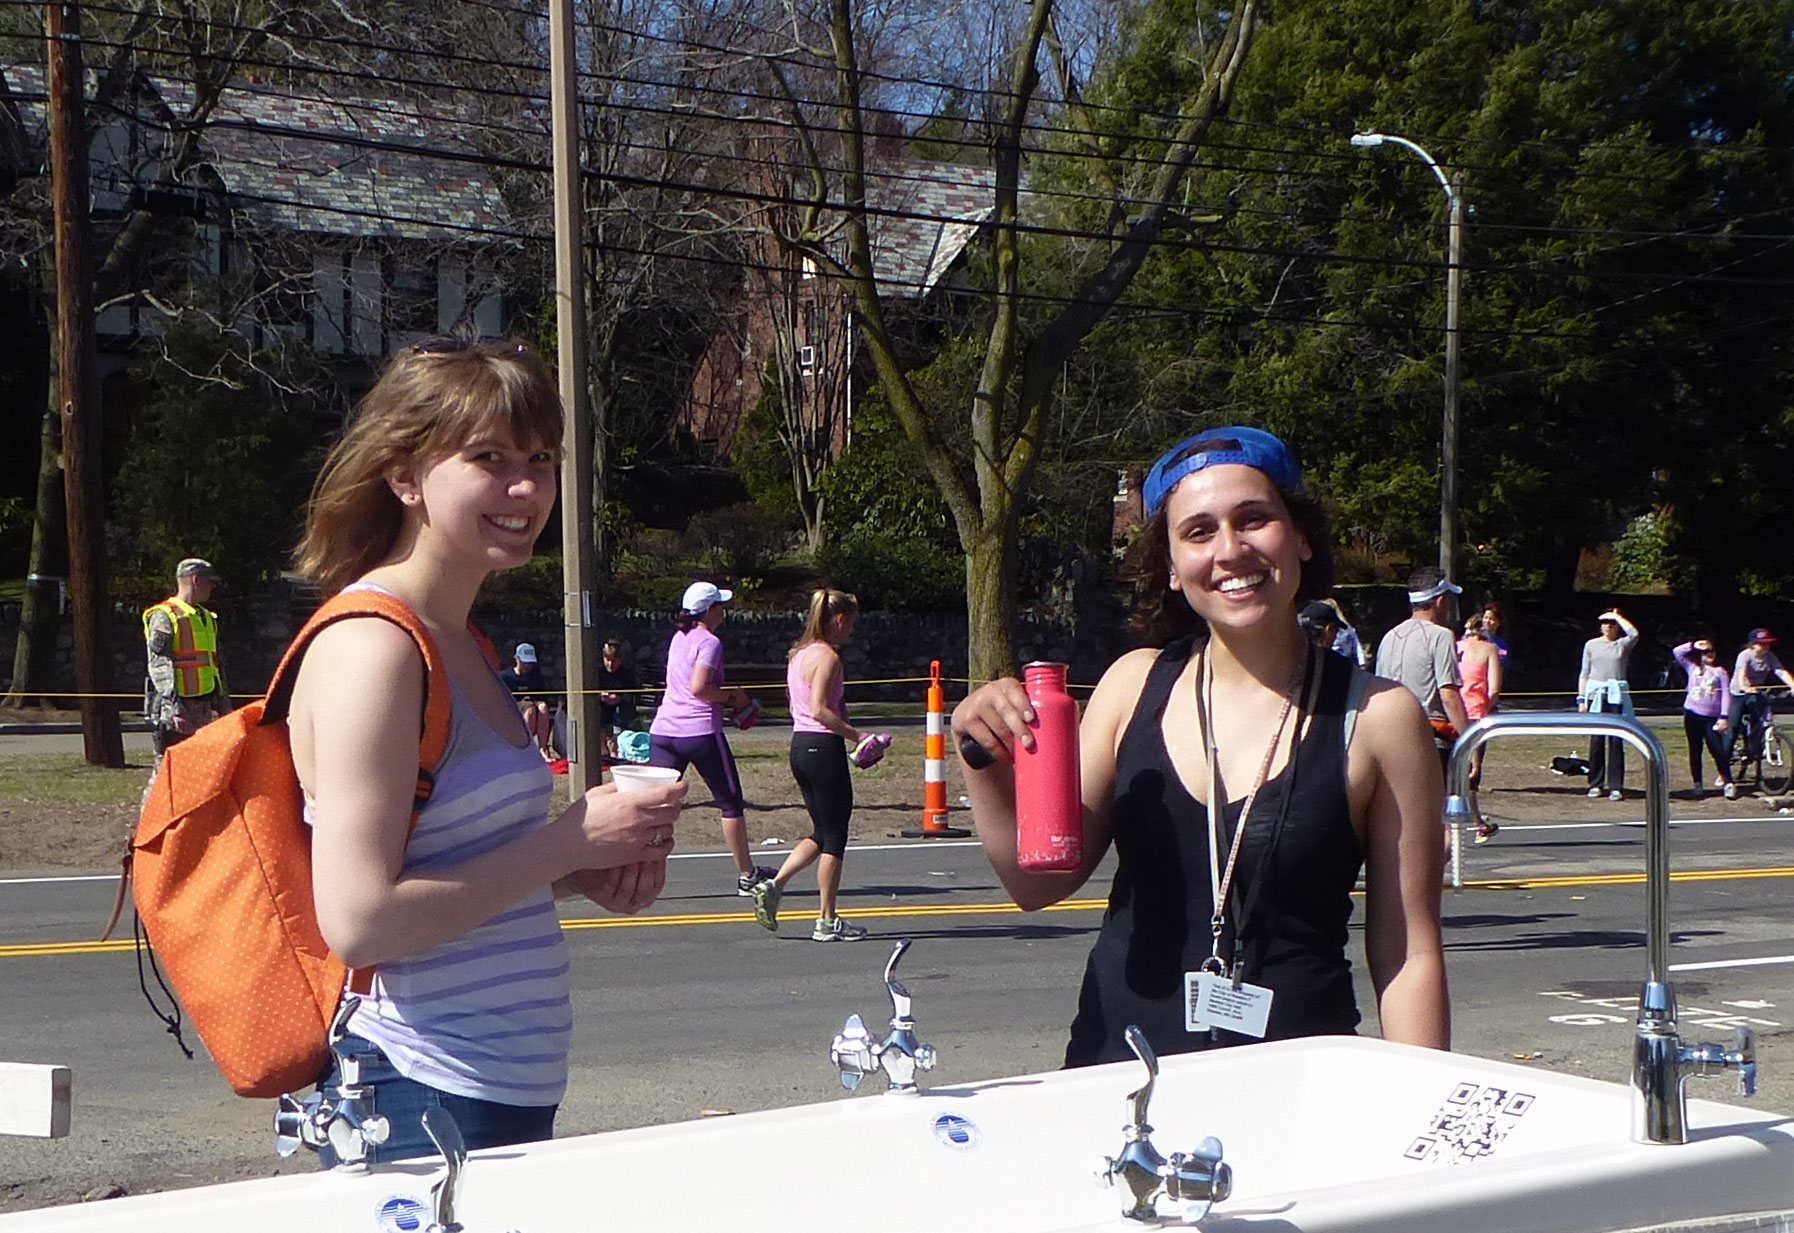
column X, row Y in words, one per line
column 694, row 1010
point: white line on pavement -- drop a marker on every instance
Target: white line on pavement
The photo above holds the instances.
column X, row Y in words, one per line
column 1764, row 961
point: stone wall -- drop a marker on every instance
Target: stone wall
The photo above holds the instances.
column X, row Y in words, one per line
column 886, row 646
column 1546, row 638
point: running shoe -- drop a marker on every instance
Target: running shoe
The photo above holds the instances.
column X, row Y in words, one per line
column 836, row 930
column 1485, row 831
column 745, row 882
column 1731, row 792
column 1616, row 795
column 766, row 904
column 1593, row 793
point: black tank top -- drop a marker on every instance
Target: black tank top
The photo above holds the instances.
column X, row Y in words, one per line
column 1157, row 924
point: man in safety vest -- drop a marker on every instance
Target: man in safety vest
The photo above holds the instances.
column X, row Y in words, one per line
column 185, row 687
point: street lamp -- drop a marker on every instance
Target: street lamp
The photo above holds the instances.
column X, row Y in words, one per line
column 1454, row 276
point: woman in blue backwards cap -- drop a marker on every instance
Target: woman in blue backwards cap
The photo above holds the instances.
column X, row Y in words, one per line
column 1325, row 771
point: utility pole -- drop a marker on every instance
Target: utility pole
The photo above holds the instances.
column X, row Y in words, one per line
column 577, row 550
column 78, row 387
column 1448, row 440
column 1454, row 284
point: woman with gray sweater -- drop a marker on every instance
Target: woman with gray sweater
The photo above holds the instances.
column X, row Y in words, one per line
column 1601, row 686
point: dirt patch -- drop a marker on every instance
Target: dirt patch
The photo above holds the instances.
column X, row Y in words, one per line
column 57, row 814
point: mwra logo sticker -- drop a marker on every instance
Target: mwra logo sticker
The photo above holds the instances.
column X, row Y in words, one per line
column 959, row 1133
column 400, row 1213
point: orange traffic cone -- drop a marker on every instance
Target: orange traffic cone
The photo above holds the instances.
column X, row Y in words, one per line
column 934, row 768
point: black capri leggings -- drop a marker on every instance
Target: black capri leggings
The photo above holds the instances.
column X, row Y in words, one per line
column 819, row 764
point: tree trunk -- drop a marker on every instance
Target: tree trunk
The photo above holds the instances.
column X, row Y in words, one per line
column 34, row 656
column 990, row 600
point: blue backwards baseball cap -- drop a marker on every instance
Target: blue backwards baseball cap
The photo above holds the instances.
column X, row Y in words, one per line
column 1252, row 447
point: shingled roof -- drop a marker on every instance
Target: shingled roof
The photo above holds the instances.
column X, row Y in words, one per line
column 923, row 216
column 353, row 167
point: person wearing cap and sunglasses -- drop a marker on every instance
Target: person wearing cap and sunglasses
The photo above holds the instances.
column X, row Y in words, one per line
column 688, row 725
column 1325, row 772
column 184, row 688
column 1422, row 655
column 1704, row 720
column 1756, row 669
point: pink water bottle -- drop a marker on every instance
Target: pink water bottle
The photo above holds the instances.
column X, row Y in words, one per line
column 1049, row 806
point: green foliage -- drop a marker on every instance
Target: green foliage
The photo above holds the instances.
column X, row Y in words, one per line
column 878, row 486
column 220, row 460
column 759, row 454
column 741, row 539
column 1629, row 256
column 905, row 575
column 1644, row 557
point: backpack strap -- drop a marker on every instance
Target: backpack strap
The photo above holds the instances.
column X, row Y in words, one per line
column 438, row 702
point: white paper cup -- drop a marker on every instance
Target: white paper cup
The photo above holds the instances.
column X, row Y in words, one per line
column 633, row 777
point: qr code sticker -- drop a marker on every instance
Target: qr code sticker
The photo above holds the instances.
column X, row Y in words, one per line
column 1470, row 1125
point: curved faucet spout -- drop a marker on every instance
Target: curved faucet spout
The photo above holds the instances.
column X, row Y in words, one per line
column 900, row 1000
column 1635, row 734
column 1142, row 1098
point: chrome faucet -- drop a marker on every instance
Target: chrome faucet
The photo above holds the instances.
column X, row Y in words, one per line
column 900, row 1055
column 342, row 1116
column 1198, row 1180
column 1661, row 1063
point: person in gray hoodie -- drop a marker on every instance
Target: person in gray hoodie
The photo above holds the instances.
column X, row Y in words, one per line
column 1601, row 686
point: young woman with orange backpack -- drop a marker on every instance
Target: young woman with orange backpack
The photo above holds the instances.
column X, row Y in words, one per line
column 447, row 473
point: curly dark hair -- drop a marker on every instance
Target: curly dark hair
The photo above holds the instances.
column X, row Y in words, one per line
column 1162, row 615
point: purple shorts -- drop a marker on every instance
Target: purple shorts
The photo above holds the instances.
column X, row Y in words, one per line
column 710, row 754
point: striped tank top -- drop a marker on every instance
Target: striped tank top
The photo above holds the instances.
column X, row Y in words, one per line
column 488, row 1014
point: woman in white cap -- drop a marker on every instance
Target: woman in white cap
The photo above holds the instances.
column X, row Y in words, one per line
column 1226, row 930
column 688, row 725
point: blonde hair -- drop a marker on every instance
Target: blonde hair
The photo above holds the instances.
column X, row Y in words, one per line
column 431, row 399
column 1473, row 626
column 825, row 605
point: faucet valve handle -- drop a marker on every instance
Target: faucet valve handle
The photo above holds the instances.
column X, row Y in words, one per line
column 926, row 1057
column 851, row 1052
column 1198, row 1180
column 1745, row 1059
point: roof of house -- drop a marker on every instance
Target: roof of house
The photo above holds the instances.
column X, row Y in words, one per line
column 356, row 167
column 924, row 215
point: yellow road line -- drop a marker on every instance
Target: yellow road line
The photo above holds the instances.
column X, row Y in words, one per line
column 41, row 949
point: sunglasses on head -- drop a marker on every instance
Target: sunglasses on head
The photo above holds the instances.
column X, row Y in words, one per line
column 449, row 344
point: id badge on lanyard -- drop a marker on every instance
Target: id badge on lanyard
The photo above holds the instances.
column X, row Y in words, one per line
column 1214, row 998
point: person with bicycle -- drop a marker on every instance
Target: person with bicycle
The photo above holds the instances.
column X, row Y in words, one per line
column 1757, row 669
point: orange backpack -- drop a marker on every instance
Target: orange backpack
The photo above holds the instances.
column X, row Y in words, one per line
column 222, row 865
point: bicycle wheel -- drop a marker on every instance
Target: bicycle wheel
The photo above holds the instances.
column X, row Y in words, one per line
column 1778, row 764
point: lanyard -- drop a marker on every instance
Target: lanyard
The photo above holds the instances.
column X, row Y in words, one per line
column 1221, row 882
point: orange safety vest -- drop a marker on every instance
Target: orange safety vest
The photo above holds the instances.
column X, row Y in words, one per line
column 195, row 646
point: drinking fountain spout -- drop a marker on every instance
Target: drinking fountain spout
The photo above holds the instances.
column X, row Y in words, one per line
column 1197, row 1180
column 341, row 1116
column 1661, row 1063
column 900, row 1055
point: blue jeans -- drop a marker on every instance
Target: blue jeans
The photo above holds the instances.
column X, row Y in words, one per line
column 483, row 1123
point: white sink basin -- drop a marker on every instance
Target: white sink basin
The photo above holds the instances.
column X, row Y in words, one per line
column 1324, row 1134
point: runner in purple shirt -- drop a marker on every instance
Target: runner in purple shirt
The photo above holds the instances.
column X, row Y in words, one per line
column 688, row 725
